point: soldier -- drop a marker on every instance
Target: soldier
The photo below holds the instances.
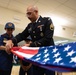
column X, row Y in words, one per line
column 41, row 30
column 5, row 56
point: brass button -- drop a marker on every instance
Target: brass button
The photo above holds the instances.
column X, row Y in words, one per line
column 33, row 31
column 34, row 36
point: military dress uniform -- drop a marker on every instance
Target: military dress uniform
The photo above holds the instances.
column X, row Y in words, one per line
column 41, row 33
column 5, row 59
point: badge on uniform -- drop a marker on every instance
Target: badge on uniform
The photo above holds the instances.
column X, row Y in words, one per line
column 40, row 26
column 10, row 24
column 52, row 27
column 5, row 40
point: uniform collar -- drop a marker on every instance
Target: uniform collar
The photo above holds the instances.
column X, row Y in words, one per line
column 37, row 19
column 8, row 35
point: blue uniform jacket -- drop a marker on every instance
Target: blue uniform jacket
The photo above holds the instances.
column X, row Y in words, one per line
column 5, row 59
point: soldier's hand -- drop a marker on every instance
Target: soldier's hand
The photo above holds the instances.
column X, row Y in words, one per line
column 27, row 45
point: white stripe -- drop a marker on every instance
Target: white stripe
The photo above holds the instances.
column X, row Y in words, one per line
column 33, row 48
column 28, row 56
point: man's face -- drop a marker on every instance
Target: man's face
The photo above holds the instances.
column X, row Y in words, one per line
column 31, row 14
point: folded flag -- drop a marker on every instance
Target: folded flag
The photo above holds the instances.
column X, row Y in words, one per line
column 57, row 58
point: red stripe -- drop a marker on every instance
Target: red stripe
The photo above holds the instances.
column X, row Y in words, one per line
column 27, row 51
column 17, row 54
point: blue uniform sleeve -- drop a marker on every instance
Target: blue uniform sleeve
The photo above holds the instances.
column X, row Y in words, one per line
column 1, row 40
column 21, row 36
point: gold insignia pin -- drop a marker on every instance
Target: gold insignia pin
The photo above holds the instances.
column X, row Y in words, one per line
column 10, row 24
column 52, row 27
column 41, row 34
column 39, row 21
column 5, row 40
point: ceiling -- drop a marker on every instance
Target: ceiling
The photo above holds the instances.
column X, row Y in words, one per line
column 65, row 9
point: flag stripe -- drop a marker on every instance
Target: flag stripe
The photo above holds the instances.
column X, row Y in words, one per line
column 27, row 51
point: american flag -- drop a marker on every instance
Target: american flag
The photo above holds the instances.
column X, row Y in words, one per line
column 58, row 58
